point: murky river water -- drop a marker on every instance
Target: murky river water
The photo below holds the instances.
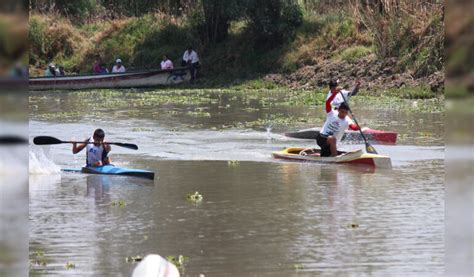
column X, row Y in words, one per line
column 258, row 216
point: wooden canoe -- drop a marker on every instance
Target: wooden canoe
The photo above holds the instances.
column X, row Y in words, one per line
column 137, row 79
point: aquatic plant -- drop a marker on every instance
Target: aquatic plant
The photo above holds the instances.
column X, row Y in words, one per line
column 234, row 163
column 179, row 261
column 298, row 266
column 353, row 225
column 39, row 259
column 133, row 259
column 70, row 265
column 120, row 203
column 194, row 197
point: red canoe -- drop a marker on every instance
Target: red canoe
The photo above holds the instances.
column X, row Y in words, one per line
column 374, row 136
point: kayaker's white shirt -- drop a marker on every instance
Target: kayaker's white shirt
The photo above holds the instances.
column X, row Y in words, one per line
column 116, row 69
column 338, row 100
column 94, row 153
column 166, row 64
column 334, row 126
column 193, row 56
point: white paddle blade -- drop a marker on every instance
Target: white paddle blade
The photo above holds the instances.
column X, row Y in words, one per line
column 155, row 266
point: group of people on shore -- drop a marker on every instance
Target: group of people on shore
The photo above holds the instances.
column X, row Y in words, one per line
column 190, row 59
column 54, row 71
column 101, row 68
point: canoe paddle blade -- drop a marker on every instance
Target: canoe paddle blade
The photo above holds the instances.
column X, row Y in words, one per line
column 125, row 145
column 45, row 140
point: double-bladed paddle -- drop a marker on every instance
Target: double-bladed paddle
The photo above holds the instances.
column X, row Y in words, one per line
column 369, row 148
column 45, row 140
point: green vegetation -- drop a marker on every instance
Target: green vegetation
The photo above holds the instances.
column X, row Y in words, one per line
column 237, row 40
column 353, row 53
column 70, row 265
column 134, row 259
column 179, row 261
column 195, row 197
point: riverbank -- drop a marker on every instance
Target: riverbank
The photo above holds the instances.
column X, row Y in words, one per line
column 325, row 46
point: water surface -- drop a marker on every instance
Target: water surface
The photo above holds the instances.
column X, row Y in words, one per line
column 258, row 216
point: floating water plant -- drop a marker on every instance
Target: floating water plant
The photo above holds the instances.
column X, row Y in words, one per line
column 233, row 163
column 178, row 261
column 70, row 265
column 134, row 259
column 120, row 203
column 298, row 266
column 194, row 197
column 39, row 259
column 139, row 129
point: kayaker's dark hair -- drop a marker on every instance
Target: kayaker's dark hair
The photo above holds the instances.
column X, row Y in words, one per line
column 343, row 106
column 333, row 83
column 99, row 133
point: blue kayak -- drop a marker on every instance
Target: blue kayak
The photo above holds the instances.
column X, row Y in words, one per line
column 112, row 170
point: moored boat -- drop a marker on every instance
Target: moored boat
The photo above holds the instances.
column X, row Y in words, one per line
column 112, row 170
column 137, row 79
column 374, row 136
column 354, row 157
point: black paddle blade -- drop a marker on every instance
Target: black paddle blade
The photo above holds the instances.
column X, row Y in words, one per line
column 45, row 140
column 12, row 140
column 125, row 145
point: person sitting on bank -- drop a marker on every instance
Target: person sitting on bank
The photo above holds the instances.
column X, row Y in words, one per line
column 96, row 152
column 96, row 69
column 338, row 100
column 191, row 59
column 118, row 67
column 103, row 69
column 51, row 71
column 166, row 63
column 61, row 71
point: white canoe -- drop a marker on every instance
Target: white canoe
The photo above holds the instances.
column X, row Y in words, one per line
column 355, row 157
column 117, row 80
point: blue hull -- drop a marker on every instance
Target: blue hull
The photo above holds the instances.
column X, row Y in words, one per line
column 112, row 170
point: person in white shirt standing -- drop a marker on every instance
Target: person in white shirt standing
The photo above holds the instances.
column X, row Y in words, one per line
column 118, row 67
column 96, row 149
column 191, row 59
column 338, row 100
column 166, row 63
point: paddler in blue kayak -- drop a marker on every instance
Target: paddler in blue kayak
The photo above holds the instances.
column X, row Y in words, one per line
column 337, row 122
column 97, row 152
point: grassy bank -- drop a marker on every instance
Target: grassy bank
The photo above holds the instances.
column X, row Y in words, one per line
column 140, row 42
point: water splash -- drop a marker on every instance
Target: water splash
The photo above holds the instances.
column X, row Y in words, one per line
column 41, row 164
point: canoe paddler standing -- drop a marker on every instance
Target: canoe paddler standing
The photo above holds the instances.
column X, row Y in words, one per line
column 334, row 88
column 97, row 152
column 337, row 122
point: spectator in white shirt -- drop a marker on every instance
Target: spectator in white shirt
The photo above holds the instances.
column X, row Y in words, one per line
column 166, row 63
column 118, row 67
column 191, row 59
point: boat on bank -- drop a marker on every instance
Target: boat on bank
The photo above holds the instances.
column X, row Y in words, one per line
column 113, row 170
column 374, row 136
column 138, row 79
column 358, row 157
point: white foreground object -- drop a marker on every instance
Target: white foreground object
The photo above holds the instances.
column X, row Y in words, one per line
column 155, row 266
